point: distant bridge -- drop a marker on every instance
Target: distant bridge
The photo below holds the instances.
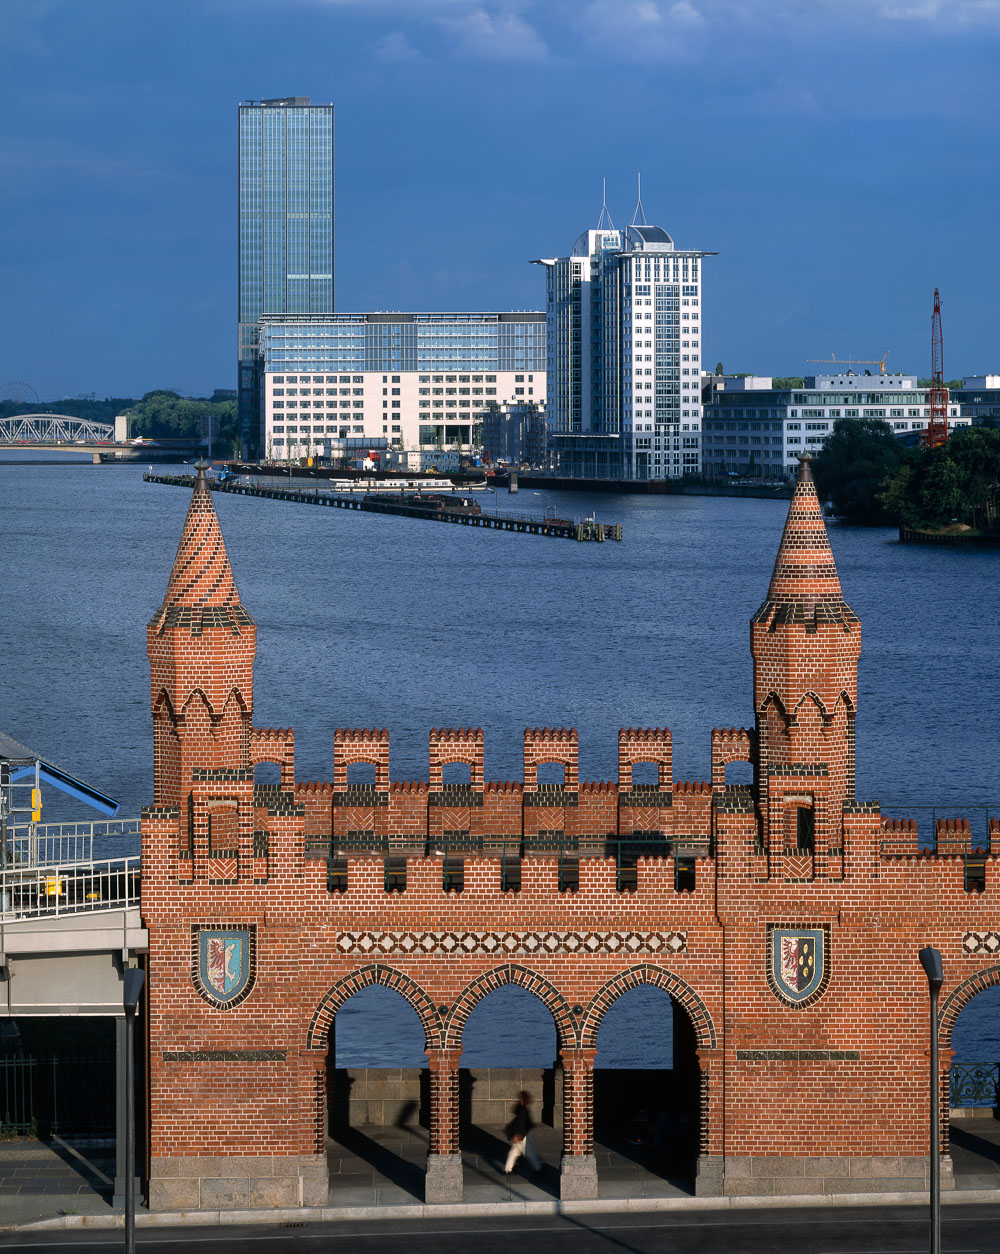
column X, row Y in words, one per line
column 53, row 429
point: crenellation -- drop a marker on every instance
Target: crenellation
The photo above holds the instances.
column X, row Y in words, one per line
column 782, row 916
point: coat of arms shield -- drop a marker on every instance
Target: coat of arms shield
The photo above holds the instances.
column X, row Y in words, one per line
column 224, row 964
column 797, row 962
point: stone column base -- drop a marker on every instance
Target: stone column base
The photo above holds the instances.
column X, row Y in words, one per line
column 251, row 1183
column 828, row 1175
column 709, row 1176
column 577, row 1176
column 443, row 1180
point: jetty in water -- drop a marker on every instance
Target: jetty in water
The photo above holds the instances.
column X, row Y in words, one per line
column 434, row 507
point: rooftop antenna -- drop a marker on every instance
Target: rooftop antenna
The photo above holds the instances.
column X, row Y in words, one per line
column 639, row 217
column 604, row 222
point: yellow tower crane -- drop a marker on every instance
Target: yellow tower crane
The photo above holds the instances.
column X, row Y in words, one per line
column 851, row 361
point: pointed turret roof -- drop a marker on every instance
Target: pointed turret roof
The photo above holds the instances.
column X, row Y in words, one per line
column 805, row 585
column 201, row 591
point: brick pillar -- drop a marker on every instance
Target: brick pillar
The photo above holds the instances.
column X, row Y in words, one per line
column 578, row 1169
column 443, row 1181
column 710, row 1168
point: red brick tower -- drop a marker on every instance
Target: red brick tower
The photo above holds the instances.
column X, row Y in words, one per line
column 201, row 645
column 805, row 641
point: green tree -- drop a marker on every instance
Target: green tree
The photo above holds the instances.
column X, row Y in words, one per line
column 958, row 481
column 167, row 415
column 851, row 466
column 787, row 381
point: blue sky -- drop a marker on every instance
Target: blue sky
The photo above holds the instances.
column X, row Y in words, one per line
column 842, row 156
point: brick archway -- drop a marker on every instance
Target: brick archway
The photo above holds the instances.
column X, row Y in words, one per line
column 658, row 977
column 961, row 995
column 388, row 977
column 523, row 977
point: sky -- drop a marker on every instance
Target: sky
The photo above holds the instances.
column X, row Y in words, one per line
column 842, row 157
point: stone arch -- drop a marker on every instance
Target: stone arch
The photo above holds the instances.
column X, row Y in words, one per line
column 961, row 995
column 659, row 977
column 524, row 977
column 389, row 977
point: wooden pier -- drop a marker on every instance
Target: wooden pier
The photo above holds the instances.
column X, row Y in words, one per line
column 433, row 510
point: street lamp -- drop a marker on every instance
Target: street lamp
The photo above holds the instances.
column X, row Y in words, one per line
column 930, row 960
column 132, row 981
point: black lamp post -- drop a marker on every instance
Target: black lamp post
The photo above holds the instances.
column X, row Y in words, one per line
column 132, row 982
column 930, row 960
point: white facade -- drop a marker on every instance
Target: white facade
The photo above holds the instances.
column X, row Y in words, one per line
column 624, row 356
column 761, row 431
column 315, row 415
column 340, row 385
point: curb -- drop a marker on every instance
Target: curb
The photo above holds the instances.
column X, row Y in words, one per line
column 464, row 1210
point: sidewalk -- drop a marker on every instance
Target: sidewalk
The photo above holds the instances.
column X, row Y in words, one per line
column 378, row 1174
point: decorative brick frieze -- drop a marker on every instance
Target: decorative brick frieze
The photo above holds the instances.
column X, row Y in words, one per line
column 797, row 1055
column 981, row 943
column 512, row 943
column 225, row 1055
column 640, row 796
column 551, row 795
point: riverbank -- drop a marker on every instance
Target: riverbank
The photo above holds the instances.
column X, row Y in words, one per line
column 650, row 487
column 968, row 536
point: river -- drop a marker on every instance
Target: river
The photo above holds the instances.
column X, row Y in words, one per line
column 381, row 621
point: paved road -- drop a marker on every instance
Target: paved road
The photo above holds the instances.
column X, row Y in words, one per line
column 965, row 1230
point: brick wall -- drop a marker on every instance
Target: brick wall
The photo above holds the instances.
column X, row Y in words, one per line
column 822, row 1080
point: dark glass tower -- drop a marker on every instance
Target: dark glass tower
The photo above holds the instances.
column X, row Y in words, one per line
column 286, row 225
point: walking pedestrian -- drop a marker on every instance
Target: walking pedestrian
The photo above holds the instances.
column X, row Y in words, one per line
column 518, row 1133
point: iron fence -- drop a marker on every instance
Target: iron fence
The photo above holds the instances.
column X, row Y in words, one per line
column 57, row 1094
column 974, row 1083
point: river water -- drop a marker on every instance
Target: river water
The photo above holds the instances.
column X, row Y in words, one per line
column 371, row 621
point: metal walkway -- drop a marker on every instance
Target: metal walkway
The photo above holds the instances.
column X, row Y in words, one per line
column 562, row 528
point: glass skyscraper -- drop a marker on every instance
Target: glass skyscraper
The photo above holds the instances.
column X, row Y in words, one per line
column 285, row 224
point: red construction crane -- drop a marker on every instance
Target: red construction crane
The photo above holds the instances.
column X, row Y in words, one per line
column 937, row 393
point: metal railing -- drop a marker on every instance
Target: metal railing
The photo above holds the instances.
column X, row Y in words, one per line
column 68, row 888
column 46, row 844
column 974, row 1083
column 57, row 1094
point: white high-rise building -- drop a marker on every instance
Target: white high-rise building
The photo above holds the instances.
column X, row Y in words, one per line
column 624, row 337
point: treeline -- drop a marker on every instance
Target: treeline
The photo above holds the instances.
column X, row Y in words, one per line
column 868, row 476
column 162, row 414
column 88, row 409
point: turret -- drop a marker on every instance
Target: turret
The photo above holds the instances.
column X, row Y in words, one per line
column 201, row 645
column 805, row 641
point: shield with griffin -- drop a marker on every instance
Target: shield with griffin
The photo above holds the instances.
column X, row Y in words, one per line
column 224, row 964
column 797, row 962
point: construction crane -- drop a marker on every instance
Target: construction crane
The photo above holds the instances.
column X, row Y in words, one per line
column 937, row 394
column 851, row 361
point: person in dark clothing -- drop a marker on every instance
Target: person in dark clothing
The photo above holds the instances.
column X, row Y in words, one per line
column 519, row 1135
